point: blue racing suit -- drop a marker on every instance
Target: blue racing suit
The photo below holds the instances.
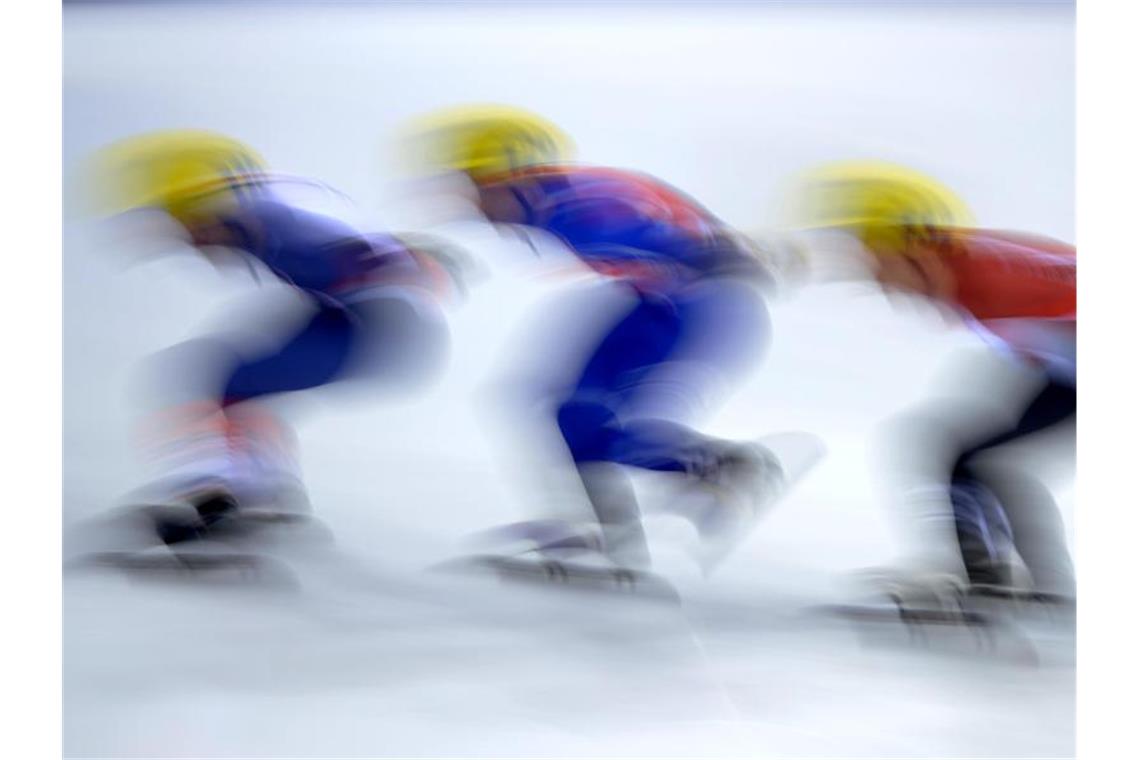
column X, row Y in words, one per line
column 695, row 323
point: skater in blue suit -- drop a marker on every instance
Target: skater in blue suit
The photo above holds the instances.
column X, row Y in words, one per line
column 374, row 313
column 690, row 323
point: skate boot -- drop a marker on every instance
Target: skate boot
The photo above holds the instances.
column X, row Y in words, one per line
column 916, row 588
column 209, row 513
column 731, row 497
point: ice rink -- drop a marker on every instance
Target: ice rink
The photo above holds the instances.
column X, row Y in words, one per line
column 372, row 656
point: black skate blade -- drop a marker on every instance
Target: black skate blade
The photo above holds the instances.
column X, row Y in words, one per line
column 566, row 576
column 1051, row 614
column 950, row 632
column 987, row 591
column 284, row 529
column 891, row 613
column 195, row 567
column 180, row 528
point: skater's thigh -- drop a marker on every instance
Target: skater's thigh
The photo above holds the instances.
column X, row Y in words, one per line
column 190, row 372
column 559, row 337
column 725, row 324
column 317, row 354
column 636, row 344
column 976, row 404
column 1044, row 424
column 722, row 332
column 401, row 343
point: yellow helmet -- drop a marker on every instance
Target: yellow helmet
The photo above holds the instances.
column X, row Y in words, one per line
column 171, row 169
column 884, row 204
column 487, row 140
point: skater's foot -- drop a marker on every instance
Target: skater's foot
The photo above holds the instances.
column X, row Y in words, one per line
column 746, row 477
column 927, row 589
column 990, row 572
column 209, row 511
column 731, row 497
column 557, row 541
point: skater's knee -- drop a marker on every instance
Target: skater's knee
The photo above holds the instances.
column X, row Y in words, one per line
column 399, row 347
column 962, row 471
column 189, row 372
column 587, row 428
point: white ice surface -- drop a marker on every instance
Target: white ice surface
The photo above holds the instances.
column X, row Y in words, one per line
column 381, row 660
